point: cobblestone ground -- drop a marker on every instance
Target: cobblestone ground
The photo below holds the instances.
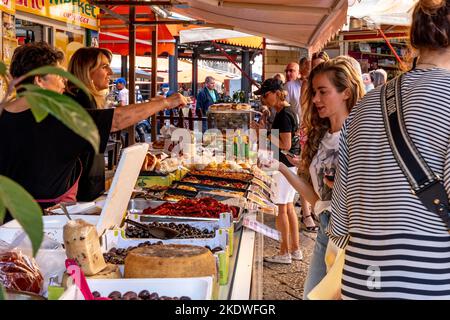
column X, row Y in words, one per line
column 285, row 282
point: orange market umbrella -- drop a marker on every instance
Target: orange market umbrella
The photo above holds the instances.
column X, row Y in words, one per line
column 114, row 34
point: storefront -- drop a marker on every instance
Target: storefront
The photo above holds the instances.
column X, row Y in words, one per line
column 8, row 35
column 66, row 24
column 373, row 52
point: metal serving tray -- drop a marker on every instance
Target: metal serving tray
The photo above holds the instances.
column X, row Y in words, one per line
column 137, row 206
column 246, row 184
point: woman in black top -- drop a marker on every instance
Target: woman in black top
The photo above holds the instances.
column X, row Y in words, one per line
column 283, row 130
column 43, row 156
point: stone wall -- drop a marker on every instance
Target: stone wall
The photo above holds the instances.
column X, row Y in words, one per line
column 276, row 60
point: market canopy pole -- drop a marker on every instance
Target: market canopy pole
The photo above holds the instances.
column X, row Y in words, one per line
column 154, row 74
column 194, row 85
column 173, row 67
column 132, row 70
column 245, row 83
column 402, row 64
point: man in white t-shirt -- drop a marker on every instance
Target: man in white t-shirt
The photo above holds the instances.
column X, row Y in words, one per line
column 123, row 92
column 293, row 87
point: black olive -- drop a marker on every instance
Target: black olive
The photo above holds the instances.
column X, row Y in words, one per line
column 144, row 295
column 129, row 295
column 115, row 295
column 153, row 296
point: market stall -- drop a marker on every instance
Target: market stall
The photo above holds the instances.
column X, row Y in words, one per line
column 169, row 227
column 178, row 227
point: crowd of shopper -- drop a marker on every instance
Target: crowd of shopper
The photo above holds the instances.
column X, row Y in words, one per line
column 397, row 245
column 331, row 125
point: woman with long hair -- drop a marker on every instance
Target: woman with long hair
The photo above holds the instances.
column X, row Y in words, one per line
column 92, row 66
column 333, row 90
column 396, row 248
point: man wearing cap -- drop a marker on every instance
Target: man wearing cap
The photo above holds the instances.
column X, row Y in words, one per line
column 123, row 92
column 165, row 90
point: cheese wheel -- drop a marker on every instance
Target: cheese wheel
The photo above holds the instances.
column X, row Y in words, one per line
column 82, row 245
column 170, row 261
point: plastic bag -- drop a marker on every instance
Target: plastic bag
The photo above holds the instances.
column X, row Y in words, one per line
column 19, row 272
column 49, row 259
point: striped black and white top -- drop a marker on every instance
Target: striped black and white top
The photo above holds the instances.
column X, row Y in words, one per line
column 396, row 249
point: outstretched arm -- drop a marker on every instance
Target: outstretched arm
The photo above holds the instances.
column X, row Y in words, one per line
column 131, row 114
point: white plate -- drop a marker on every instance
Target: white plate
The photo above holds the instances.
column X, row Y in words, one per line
column 195, row 288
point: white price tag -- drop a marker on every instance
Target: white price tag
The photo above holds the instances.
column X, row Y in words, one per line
column 262, row 228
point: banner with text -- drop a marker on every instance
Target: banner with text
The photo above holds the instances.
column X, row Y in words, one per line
column 74, row 12
column 8, row 6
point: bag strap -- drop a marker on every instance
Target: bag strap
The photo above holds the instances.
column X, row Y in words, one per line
column 425, row 184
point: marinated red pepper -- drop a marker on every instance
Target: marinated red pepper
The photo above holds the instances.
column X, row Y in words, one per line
column 203, row 207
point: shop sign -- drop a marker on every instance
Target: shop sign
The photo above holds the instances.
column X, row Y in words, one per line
column 76, row 12
column 8, row 6
column 37, row 7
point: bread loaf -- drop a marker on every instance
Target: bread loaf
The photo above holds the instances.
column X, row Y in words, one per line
column 82, row 245
column 170, row 261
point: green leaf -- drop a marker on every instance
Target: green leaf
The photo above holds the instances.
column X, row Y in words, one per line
column 55, row 70
column 3, row 69
column 2, row 212
column 24, row 209
column 2, row 293
column 65, row 109
column 39, row 114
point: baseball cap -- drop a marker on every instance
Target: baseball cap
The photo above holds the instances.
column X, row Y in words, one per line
column 269, row 85
column 165, row 85
column 121, row 80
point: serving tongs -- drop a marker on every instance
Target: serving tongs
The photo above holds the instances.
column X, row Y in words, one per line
column 156, row 232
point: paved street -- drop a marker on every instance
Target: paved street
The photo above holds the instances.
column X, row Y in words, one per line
column 285, row 282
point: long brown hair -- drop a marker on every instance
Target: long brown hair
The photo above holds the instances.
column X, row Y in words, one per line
column 430, row 28
column 343, row 76
column 82, row 63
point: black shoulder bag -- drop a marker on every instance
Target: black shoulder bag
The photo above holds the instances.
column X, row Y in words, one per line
column 425, row 184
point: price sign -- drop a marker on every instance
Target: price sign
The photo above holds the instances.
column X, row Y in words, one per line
column 262, row 228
